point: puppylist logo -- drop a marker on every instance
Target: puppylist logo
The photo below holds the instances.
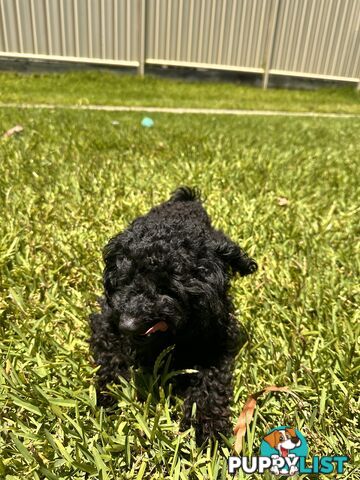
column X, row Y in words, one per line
column 283, row 451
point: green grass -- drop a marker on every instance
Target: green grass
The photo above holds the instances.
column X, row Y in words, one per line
column 111, row 89
column 71, row 180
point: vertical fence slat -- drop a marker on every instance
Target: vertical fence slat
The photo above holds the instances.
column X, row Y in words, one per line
column 348, row 31
column 298, row 40
column 353, row 63
column 231, row 33
column 259, row 40
column 211, row 31
column 48, row 27
column 270, row 41
column 102, row 29
column 341, row 29
column 311, row 58
column 76, row 29
column 191, row 28
column 115, row 29
column 168, row 29
column 201, row 29
column 128, row 33
column 89, row 28
column 179, row 30
column 251, row 23
column 332, row 38
column 18, row 26
column 3, row 24
column 307, row 36
column 141, row 36
column 33, row 26
column 62, row 27
column 281, row 34
column 241, row 34
column 221, row 39
column 349, row 62
column 326, row 27
column 157, row 27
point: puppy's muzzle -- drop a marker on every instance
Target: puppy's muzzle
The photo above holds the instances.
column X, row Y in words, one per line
column 129, row 325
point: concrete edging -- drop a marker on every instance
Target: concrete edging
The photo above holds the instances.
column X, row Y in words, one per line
column 180, row 111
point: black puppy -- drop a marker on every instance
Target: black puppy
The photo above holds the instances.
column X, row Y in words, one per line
column 166, row 282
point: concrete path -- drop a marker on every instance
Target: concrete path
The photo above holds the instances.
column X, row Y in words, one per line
column 181, row 111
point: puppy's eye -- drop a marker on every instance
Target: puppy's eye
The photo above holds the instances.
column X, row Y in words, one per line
column 281, row 438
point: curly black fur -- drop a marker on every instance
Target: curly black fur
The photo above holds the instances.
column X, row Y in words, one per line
column 172, row 268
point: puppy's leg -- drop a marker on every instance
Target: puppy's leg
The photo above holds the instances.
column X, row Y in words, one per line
column 110, row 350
column 211, row 390
column 233, row 255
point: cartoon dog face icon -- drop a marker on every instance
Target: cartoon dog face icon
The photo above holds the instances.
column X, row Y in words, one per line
column 283, row 441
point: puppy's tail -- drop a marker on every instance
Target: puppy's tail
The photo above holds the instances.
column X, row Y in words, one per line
column 185, row 194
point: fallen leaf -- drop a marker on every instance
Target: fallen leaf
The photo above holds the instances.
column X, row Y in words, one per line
column 248, row 412
column 12, row 131
column 282, row 201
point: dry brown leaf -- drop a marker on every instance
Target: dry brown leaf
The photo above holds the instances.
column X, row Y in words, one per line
column 12, row 131
column 282, row 201
column 248, row 412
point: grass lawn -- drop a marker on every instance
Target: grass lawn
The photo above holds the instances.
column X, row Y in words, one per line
column 103, row 88
column 72, row 179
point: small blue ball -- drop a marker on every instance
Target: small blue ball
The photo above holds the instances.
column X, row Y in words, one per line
column 147, row 122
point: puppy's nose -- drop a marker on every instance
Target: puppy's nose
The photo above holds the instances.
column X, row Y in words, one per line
column 127, row 324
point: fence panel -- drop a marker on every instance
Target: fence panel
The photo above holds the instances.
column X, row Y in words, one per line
column 318, row 38
column 228, row 34
column 96, row 31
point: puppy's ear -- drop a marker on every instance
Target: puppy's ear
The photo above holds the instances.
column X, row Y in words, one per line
column 291, row 432
column 112, row 274
column 110, row 278
column 236, row 258
column 273, row 438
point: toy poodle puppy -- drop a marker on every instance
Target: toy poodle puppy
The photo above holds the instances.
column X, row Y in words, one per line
column 166, row 282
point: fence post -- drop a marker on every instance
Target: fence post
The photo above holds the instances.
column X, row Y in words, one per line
column 141, row 36
column 270, row 41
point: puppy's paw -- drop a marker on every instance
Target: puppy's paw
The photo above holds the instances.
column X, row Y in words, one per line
column 211, row 428
column 105, row 399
